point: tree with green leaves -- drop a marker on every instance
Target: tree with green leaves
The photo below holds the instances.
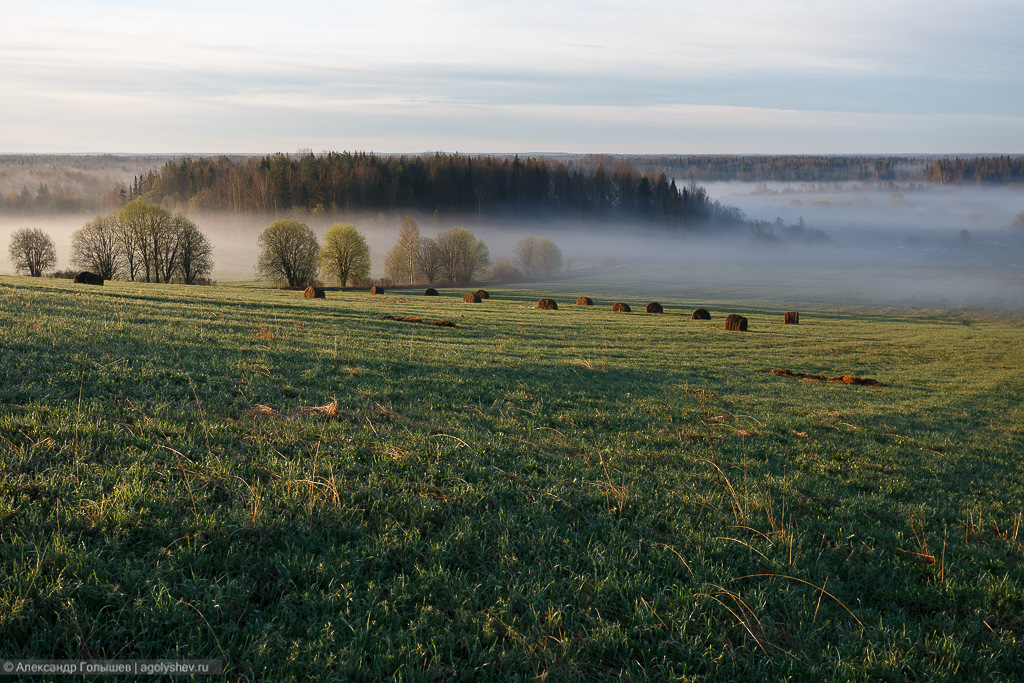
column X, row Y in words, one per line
column 145, row 236
column 144, row 241
column 289, row 252
column 345, row 255
column 32, row 250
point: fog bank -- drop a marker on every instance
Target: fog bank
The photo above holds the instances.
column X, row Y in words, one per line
column 948, row 247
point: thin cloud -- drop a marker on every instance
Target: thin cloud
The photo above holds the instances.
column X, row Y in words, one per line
column 253, row 66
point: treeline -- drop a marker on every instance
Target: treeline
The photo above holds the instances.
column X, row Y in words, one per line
column 68, row 183
column 45, row 200
column 1003, row 170
column 781, row 168
column 450, row 185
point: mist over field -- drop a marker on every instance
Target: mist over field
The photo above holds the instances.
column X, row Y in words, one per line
column 882, row 245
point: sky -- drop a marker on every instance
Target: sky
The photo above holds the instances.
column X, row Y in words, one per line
column 533, row 76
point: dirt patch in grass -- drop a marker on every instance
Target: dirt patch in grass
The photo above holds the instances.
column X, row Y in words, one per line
column 842, row 379
column 419, row 321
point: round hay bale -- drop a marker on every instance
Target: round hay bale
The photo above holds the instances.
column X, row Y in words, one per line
column 470, row 298
column 376, row 289
column 584, row 301
column 791, row 318
column 482, row 293
column 547, row 305
column 655, row 307
column 314, row 293
column 87, row 278
column 431, row 292
column 736, row 322
column 701, row 314
column 620, row 307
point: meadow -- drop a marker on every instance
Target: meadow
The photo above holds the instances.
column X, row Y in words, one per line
column 305, row 490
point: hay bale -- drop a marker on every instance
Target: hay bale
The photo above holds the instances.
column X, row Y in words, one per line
column 376, row 289
column 431, row 292
column 314, row 293
column 470, row 298
column 655, row 307
column 482, row 293
column 791, row 318
column 547, row 305
column 87, row 278
column 620, row 307
column 736, row 322
column 701, row 314
column 584, row 301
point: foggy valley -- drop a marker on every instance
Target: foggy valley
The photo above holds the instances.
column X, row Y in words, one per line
column 884, row 245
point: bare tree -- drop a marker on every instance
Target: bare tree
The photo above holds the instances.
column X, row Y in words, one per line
column 462, row 255
column 195, row 255
column 400, row 263
column 32, row 250
column 547, row 259
column 429, row 260
column 526, row 252
column 94, row 247
column 538, row 258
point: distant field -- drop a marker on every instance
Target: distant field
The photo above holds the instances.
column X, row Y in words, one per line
column 305, row 490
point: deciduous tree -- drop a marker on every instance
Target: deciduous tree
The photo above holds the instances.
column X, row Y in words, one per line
column 32, row 250
column 195, row 257
column 400, row 263
column 94, row 247
column 526, row 253
column 538, row 258
column 547, row 258
column 429, row 260
column 345, row 255
column 289, row 253
column 462, row 255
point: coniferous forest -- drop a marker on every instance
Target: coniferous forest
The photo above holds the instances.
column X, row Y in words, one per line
column 449, row 185
column 661, row 189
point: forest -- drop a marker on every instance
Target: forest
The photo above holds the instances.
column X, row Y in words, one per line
column 451, row 186
column 1003, row 170
column 660, row 189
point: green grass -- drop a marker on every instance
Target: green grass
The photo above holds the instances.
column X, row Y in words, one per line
column 574, row 494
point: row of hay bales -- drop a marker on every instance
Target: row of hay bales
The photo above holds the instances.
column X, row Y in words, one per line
column 732, row 322
column 312, row 292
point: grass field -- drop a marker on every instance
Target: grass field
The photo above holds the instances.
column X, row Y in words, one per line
column 306, row 491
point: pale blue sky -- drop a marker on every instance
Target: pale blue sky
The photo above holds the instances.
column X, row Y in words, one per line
column 718, row 76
